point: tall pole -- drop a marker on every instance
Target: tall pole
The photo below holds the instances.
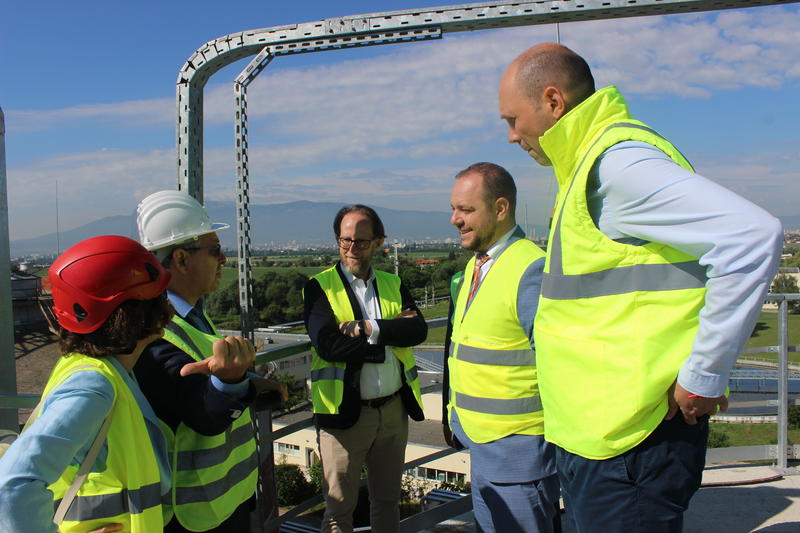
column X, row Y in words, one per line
column 58, row 226
column 783, row 385
column 396, row 261
column 8, row 371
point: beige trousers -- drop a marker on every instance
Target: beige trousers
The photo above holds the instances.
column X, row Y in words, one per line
column 378, row 439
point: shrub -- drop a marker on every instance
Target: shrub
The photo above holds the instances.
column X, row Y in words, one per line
column 794, row 416
column 315, row 474
column 292, row 485
column 717, row 438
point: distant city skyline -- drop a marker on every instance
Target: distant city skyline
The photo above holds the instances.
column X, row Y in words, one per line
column 89, row 105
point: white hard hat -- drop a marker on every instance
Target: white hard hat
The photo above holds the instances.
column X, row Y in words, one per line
column 168, row 218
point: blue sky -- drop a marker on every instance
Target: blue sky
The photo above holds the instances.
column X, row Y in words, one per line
column 88, row 92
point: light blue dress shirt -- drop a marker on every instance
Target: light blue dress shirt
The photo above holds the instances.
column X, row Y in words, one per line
column 636, row 194
column 71, row 417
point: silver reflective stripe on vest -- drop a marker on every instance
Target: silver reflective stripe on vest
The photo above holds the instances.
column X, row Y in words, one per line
column 215, row 489
column 197, row 459
column 411, row 374
column 329, row 372
column 126, row 501
column 659, row 277
column 622, row 280
column 494, row 406
column 482, row 356
column 182, row 335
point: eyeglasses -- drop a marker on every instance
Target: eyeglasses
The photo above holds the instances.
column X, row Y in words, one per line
column 215, row 250
column 361, row 244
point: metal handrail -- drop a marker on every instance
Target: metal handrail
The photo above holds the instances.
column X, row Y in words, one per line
column 780, row 452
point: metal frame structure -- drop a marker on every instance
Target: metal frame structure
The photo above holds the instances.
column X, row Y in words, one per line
column 8, row 368
column 340, row 33
column 357, row 31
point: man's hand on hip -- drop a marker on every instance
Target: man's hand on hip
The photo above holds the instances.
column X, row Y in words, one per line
column 232, row 357
column 691, row 405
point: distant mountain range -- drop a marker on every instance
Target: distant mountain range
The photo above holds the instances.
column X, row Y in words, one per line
column 274, row 225
column 300, row 223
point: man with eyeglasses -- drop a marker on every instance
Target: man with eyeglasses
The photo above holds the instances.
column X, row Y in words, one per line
column 195, row 379
column 362, row 324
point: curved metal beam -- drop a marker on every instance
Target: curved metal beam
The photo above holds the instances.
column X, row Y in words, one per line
column 334, row 33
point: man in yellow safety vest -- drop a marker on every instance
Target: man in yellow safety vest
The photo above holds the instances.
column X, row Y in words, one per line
column 492, row 391
column 654, row 278
column 362, row 323
column 196, row 379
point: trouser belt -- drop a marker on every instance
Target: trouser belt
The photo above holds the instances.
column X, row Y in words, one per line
column 378, row 402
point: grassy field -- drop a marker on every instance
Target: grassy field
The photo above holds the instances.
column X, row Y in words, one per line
column 753, row 434
column 435, row 335
column 766, row 334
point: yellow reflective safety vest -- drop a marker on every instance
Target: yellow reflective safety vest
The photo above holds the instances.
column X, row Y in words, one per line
column 128, row 490
column 615, row 321
column 211, row 475
column 327, row 379
column 493, row 381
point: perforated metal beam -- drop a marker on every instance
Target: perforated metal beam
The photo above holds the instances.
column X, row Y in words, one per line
column 223, row 51
column 253, row 69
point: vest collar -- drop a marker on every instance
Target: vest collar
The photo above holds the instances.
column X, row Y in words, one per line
column 510, row 237
column 566, row 141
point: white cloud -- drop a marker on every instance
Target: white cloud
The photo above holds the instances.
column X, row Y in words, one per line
column 90, row 186
column 133, row 113
column 686, row 55
column 389, row 128
column 771, row 179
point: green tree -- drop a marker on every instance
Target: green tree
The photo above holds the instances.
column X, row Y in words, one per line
column 794, row 416
column 456, row 486
column 786, row 284
column 315, row 475
column 297, row 389
column 293, row 487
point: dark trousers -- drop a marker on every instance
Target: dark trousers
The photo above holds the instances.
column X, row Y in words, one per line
column 644, row 490
column 238, row 522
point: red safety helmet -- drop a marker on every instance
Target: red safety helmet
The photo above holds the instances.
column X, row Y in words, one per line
column 95, row 276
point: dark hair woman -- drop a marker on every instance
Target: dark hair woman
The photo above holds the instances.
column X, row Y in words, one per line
column 93, row 449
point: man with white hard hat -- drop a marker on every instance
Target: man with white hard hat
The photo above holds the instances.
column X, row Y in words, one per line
column 195, row 379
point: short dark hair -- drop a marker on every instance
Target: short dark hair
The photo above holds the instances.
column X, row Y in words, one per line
column 129, row 323
column 497, row 181
column 374, row 219
column 557, row 65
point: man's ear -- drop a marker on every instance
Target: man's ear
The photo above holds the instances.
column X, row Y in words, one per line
column 554, row 101
column 502, row 207
column 180, row 259
column 380, row 242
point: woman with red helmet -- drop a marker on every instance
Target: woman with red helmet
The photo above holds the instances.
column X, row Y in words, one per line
column 93, row 450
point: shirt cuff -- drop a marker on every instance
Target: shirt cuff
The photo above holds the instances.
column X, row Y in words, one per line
column 376, row 332
column 235, row 390
column 707, row 386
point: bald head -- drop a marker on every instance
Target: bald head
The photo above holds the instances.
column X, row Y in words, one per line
column 551, row 64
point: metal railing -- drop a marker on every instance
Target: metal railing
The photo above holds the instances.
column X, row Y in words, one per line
column 780, row 452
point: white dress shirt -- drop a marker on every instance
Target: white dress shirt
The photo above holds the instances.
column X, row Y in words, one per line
column 493, row 251
column 377, row 379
